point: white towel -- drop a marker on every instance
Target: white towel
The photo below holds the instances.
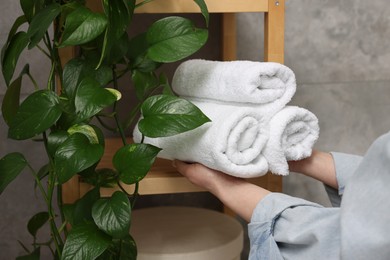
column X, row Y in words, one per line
column 293, row 132
column 260, row 83
column 232, row 143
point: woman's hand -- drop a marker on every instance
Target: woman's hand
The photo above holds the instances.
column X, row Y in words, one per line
column 319, row 165
column 204, row 177
column 235, row 193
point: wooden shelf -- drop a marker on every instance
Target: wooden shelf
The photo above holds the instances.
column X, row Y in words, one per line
column 189, row 6
column 162, row 179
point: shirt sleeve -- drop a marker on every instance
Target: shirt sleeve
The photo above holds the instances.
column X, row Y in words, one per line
column 345, row 165
column 285, row 227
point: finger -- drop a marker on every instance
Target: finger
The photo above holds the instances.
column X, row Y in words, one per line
column 181, row 166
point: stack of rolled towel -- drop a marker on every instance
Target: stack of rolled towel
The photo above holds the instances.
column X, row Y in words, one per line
column 252, row 130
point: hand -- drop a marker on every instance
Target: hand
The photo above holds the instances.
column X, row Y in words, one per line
column 204, row 177
column 319, row 165
column 235, row 193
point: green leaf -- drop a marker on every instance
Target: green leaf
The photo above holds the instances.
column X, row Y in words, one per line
column 18, row 22
column 133, row 161
column 41, row 22
column 138, row 47
column 71, row 76
column 102, row 177
column 121, row 249
column 55, row 139
column 36, row 222
column 118, row 49
column 35, row 255
column 128, row 248
column 165, row 115
column 82, row 26
column 68, row 210
column 37, row 113
column 11, row 100
column 12, row 97
column 144, row 82
column 31, row 7
column 112, row 215
column 82, row 211
column 167, row 90
column 77, row 69
column 86, row 130
column 11, row 54
column 203, row 8
column 85, row 242
column 174, row 38
column 115, row 92
column 91, row 98
column 11, row 166
column 75, row 155
column 42, row 173
column 119, row 16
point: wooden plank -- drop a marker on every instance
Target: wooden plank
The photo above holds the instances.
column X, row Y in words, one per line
column 274, row 51
column 274, row 32
column 162, row 179
column 189, row 6
column 229, row 33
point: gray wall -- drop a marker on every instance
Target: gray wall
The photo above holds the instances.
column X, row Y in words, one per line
column 340, row 53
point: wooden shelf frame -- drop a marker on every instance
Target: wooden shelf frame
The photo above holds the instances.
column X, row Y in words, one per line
column 163, row 178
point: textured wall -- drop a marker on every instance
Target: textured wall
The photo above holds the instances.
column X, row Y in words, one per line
column 340, row 52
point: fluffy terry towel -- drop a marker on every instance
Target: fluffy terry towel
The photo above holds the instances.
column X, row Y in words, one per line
column 293, row 132
column 260, row 83
column 232, row 143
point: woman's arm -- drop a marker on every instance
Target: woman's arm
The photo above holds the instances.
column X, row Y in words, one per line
column 235, row 193
column 319, row 165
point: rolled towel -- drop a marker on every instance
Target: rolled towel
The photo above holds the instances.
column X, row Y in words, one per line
column 232, row 143
column 260, row 83
column 293, row 132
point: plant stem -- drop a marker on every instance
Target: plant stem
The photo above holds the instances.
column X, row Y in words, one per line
column 132, row 196
column 105, row 125
column 135, row 110
column 118, row 124
column 33, row 81
column 104, row 49
column 39, row 183
column 60, row 206
column 58, row 242
column 43, row 51
column 50, row 81
column 135, row 194
column 53, row 226
column 123, row 189
column 47, row 198
column 142, row 3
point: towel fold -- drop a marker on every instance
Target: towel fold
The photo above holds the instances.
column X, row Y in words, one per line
column 232, row 143
column 260, row 83
column 293, row 132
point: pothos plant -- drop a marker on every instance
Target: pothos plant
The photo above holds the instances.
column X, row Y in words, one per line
column 60, row 115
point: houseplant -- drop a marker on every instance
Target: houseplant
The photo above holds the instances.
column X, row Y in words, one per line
column 60, row 114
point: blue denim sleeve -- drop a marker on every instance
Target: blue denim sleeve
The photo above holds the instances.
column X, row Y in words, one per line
column 345, row 165
column 285, row 227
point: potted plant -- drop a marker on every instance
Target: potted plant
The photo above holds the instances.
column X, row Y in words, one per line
column 60, row 114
